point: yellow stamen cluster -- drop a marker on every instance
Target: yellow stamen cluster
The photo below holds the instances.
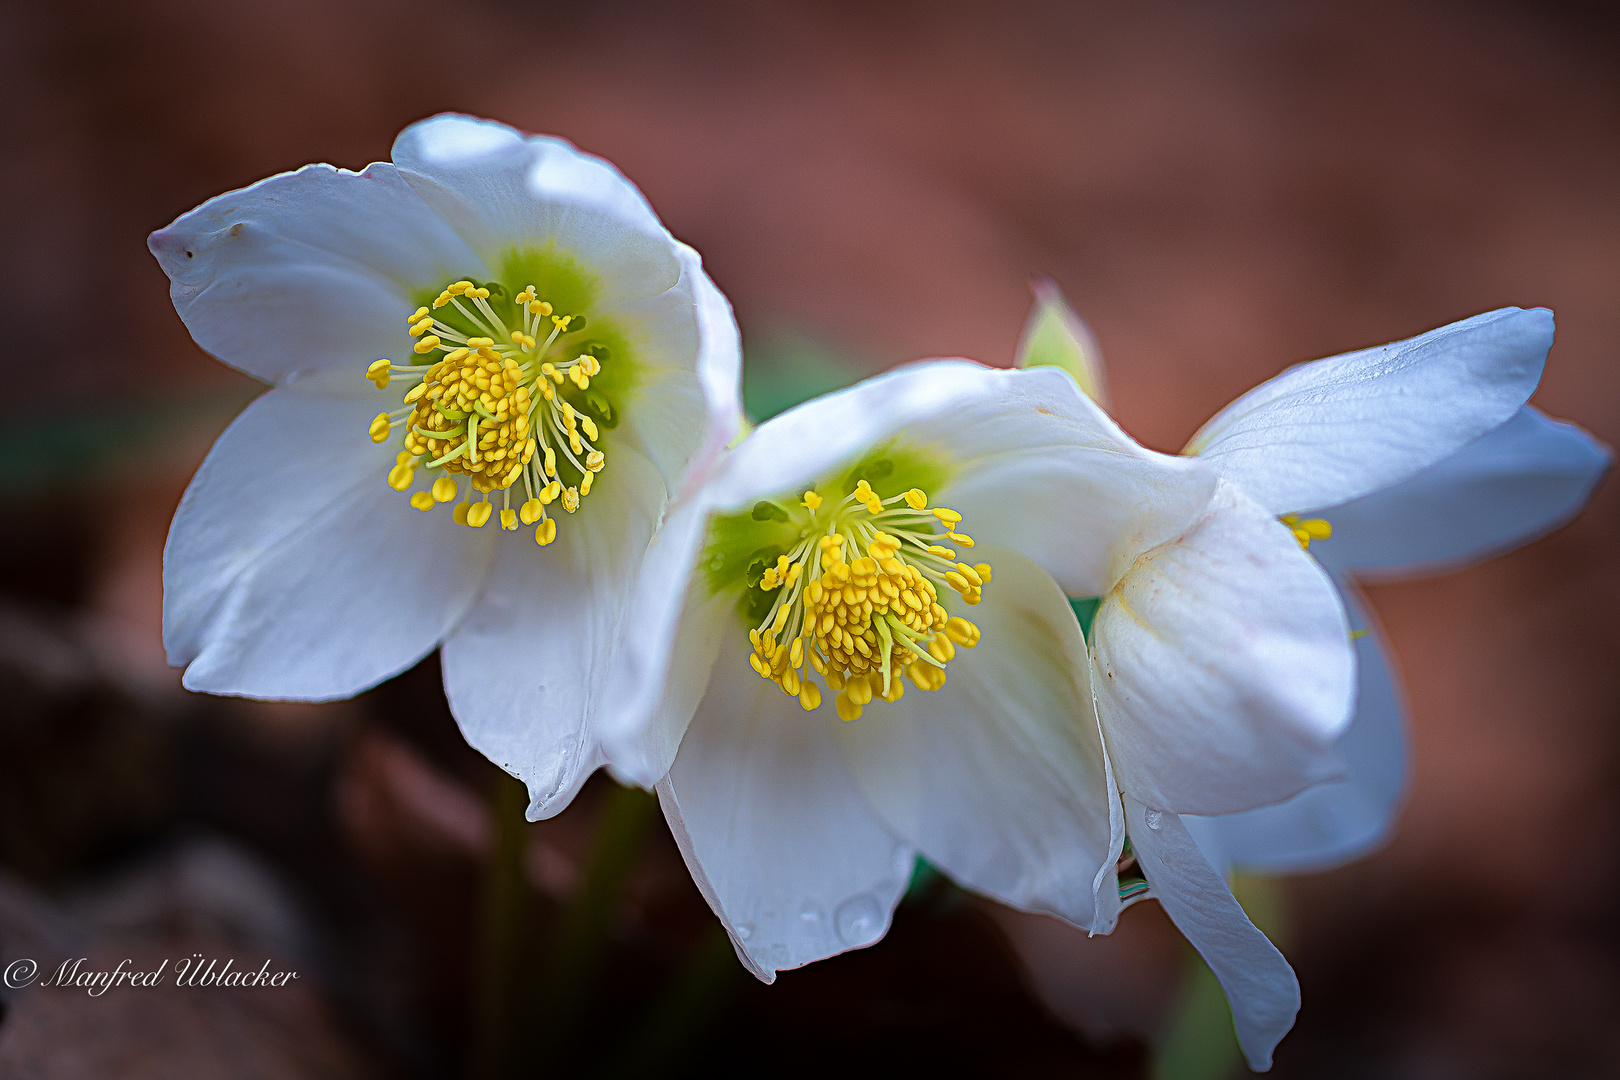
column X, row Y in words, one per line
column 491, row 409
column 859, row 601
column 1307, row 529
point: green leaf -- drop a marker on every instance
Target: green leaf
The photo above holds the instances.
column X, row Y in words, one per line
column 1054, row 336
column 1085, row 611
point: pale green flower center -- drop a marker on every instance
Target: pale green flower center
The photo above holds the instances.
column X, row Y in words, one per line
column 508, row 401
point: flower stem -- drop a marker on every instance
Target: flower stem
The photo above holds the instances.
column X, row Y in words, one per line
column 580, row 939
column 681, row 1015
column 502, row 937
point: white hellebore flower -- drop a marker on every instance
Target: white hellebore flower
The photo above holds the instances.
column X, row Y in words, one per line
column 1408, row 457
column 545, row 356
column 828, row 550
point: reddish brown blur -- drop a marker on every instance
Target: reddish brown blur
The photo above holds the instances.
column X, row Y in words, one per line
column 1220, row 189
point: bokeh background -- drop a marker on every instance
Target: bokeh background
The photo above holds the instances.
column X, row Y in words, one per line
column 1220, row 189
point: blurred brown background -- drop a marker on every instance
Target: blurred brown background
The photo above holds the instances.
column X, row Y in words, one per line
column 1221, row 189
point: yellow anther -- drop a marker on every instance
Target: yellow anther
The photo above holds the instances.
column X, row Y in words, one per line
column 418, row 315
column 444, row 489
column 478, row 513
column 422, row 501
column 400, row 477
column 418, row 329
column 947, row 515
column 589, row 425
column 790, row 683
column 427, row 344
column 570, row 499
column 380, row 428
column 958, row 538
column 972, row 575
column 983, row 570
column 415, row 393
column 809, row 695
column 812, row 501
column 961, row 631
column 546, row 532
column 531, row 511
column 509, row 518
column 460, row 512
column 595, row 460
column 585, row 483
column 848, row 711
column 917, row 499
column 551, row 462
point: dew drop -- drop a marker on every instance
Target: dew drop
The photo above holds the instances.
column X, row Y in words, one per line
column 859, row 920
column 1153, row 818
column 744, row 930
column 810, row 914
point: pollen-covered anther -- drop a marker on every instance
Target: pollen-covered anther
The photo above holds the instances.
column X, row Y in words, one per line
column 1307, row 529
column 492, row 405
column 856, row 600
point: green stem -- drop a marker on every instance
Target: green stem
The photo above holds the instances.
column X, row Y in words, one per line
column 677, row 1020
column 580, row 939
column 502, row 936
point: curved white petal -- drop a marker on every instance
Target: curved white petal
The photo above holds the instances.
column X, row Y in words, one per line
column 687, row 401
column 1034, row 464
column 308, row 270
column 1259, row 984
column 529, row 666
column 778, row 838
column 1332, row 430
column 1335, row 822
column 1222, row 666
column 499, row 188
column 999, row 778
column 668, row 660
column 293, row 571
column 1505, row 488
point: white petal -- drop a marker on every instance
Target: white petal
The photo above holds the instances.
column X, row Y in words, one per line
column 777, row 837
column 1332, row 430
column 999, row 777
column 308, row 270
column 528, row 668
column 667, row 661
column 501, row 189
column 1055, row 336
column 1222, row 666
column 293, row 571
column 1259, row 984
column 1335, row 822
column 1035, row 465
column 687, row 401
column 1505, row 488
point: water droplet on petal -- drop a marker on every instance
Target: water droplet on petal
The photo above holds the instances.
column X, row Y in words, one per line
column 859, row 920
column 744, row 930
column 810, row 914
column 1153, row 818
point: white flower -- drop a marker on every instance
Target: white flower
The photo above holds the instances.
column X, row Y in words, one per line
column 532, row 330
column 1415, row 455
column 799, row 828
